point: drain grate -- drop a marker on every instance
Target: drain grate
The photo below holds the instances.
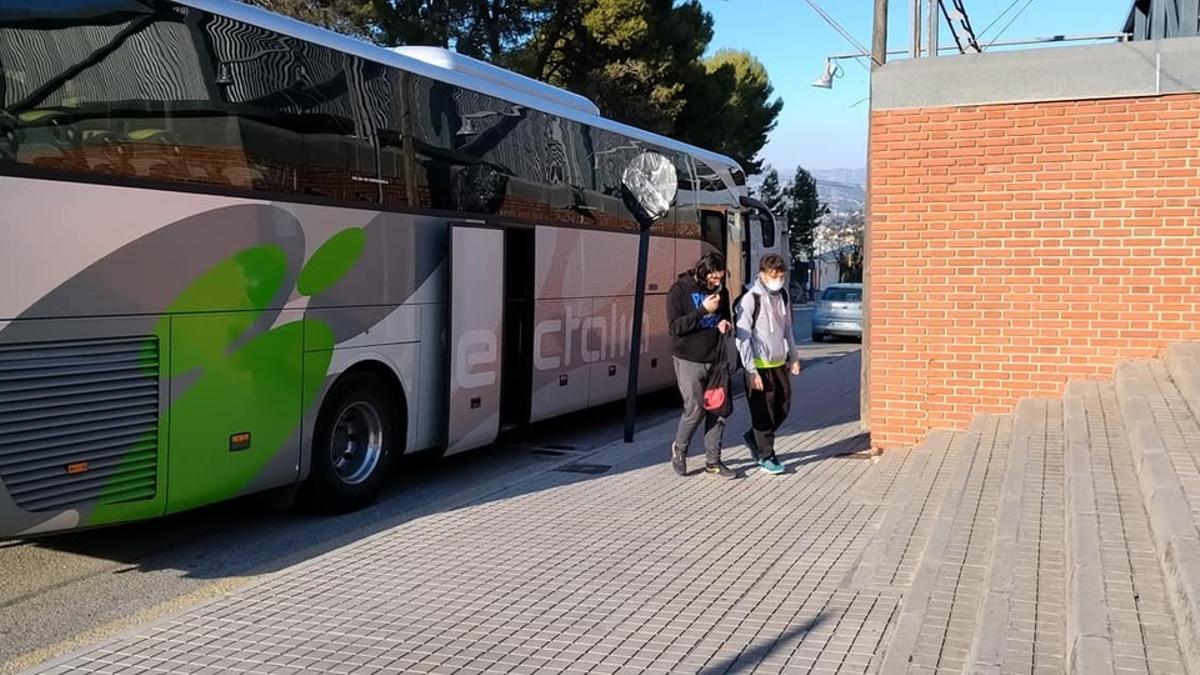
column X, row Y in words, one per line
column 589, row 469
column 549, row 453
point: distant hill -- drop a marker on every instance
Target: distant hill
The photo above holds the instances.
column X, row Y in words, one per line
column 848, row 176
column 844, row 190
column 842, row 197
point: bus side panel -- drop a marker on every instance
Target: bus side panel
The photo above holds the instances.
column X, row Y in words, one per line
column 560, row 263
column 427, row 419
column 661, row 268
column 687, row 252
column 656, row 370
column 609, row 264
column 560, row 374
column 85, row 429
column 606, row 346
column 226, row 388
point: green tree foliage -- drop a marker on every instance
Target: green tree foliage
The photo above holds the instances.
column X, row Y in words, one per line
column 633, row 58
column 802, row 214
column 729, row 109
column 771, row 192
column 351, row 17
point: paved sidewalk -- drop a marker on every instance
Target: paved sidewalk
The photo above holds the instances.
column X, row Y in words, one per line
column 633, row 569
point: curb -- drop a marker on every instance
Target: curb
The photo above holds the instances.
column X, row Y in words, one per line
column 1175, row 535
column 911, row 615
column 992, row 625
column 1183, row 363
column 1088, row 638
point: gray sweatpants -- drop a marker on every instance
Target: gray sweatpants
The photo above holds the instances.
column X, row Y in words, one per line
column 690, row 377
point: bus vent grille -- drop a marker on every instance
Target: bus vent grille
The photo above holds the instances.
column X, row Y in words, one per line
column 79, row 422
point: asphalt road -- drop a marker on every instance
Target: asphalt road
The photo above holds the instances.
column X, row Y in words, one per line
column 60, row 592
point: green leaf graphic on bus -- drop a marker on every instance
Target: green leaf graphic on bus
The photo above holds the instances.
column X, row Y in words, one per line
column 227, row 379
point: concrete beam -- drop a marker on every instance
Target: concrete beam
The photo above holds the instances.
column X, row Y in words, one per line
column 1124, row 70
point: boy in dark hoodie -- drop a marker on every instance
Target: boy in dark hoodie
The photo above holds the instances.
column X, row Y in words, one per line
column 699, row 315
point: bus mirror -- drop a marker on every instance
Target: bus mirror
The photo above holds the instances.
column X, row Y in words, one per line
column 648, row 187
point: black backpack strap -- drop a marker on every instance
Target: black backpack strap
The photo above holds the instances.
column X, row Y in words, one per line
column 754, row 312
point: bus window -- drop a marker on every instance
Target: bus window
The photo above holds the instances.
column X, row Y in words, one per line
column 220, row 103
column 712, row 230
column 768, row 231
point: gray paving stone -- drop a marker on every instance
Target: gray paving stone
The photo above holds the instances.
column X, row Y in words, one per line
column 1164, row 439
column 955, row 558
column 636, row 571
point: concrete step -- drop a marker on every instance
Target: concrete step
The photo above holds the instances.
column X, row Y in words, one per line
column 907, row 486
column 936, row 622
column 1118, row 614
column 1164, row 442
column 1020, row 626
column 1183, row 363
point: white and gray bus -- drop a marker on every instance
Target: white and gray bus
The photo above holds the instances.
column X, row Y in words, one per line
column 238, row 252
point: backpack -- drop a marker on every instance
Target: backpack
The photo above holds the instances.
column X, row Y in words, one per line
column 754, row 312
column 717, row 399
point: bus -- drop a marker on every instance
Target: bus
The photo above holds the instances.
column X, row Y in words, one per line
column 239, row 252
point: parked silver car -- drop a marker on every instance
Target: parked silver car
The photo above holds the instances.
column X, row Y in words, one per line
column 838, row 312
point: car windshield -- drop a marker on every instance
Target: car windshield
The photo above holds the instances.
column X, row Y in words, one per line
column 842, row 295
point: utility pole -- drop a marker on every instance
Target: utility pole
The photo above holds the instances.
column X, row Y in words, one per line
column 915, row 45
column 934, row 26
column 878, row 58
column 879, row 39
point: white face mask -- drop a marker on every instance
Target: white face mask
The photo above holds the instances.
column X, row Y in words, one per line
column 774, row 286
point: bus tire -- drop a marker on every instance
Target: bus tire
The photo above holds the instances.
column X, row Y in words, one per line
column 356, row 435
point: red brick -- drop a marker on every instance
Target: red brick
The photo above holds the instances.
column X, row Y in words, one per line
column 1028, row 244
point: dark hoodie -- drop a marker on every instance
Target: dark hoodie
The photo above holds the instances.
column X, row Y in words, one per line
column 694, row 330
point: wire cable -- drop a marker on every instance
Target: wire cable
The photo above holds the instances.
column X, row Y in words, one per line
column 838, row 27
column 1011, row 21
column 999, row 16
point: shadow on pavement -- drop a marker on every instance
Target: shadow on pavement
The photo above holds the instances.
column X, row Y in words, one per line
column 747, row 660
column 258, row 534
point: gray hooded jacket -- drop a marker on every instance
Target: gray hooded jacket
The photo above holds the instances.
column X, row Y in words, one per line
column 768, row 342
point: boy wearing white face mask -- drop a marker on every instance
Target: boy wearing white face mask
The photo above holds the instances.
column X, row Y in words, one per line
column 767, row 347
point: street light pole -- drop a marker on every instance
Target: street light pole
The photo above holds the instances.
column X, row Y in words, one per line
column 878, row 58
column 915, row 46
column 879, row 37
column 934, row 27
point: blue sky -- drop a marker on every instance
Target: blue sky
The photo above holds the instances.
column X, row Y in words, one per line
column 824, row 129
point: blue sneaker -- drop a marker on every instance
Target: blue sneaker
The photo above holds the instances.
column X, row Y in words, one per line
column 752, row 444
column 771, row 466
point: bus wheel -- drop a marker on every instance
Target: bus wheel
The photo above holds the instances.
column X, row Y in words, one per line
column 353, row 442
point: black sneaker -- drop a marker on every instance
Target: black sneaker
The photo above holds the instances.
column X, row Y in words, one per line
column 751, row 443
column 678, row 460
column 719, row 469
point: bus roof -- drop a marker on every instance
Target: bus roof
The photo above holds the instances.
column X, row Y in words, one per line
column 516, row 90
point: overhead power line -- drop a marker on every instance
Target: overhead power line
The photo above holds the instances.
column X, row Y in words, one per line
column 838, row 27
column 999, row 16
column 1011, row 21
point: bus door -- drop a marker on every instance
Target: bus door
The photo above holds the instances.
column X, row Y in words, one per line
column 761, row 234
column 737, row 255
column 475, row 335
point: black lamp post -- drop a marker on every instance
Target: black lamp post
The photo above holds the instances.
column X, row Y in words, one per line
column 648, row 186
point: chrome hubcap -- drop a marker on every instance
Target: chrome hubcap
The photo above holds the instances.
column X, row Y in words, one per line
column 357, row 443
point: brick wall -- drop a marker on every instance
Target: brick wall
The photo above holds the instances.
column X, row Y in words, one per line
column 1018, row 246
